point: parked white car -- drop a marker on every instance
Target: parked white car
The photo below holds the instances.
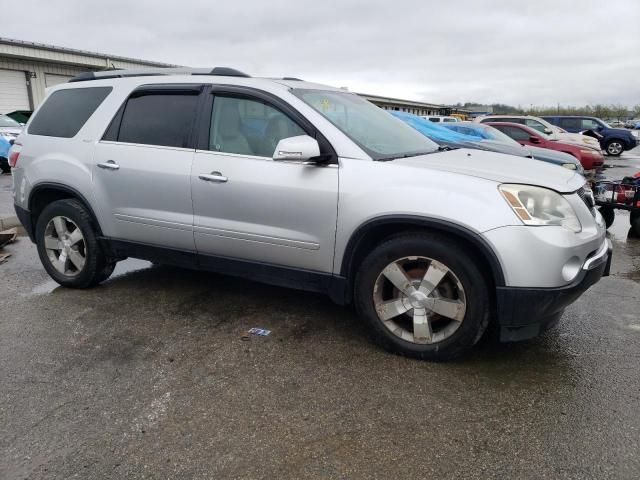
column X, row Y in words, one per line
column 540, row 124
column 440, row 119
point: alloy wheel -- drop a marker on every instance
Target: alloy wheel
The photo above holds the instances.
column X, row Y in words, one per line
column 65, row 246
column 614, row 148
column 419, row 300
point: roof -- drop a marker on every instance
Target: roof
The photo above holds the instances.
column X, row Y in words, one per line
column 400, row 101
column 54, row 48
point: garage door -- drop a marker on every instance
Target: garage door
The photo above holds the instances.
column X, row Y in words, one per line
column 51, row 79
column 13, row 91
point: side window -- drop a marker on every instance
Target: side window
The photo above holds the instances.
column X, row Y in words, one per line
column 589, row 124
column 163, row 119
column 65, row 112
column 570, row 123
column 535, row 125
column 248, row 127
column 515, row 133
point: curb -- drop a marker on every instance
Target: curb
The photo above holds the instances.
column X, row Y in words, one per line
column 9, row 222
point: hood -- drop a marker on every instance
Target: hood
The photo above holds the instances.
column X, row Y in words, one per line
column 577, row 139
column 499, row 168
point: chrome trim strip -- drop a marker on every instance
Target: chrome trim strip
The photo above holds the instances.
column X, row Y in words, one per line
column 599, row 256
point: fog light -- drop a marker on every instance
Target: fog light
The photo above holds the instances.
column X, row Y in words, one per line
column 571, row 268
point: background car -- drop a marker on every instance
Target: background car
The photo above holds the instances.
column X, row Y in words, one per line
column 614, row 141
column 553, row 131
column 9, row 130
column 588, row 157
column 633, row 123
column 488, row 133
column 483, row 137
column 441, row 119
column 20, row 116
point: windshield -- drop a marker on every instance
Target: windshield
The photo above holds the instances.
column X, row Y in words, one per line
column 380, row 135
column 8, row 122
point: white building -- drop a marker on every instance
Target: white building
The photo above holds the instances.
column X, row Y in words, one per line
column 27, row 68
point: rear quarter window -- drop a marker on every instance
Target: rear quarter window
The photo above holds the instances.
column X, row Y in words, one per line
column 65, row 112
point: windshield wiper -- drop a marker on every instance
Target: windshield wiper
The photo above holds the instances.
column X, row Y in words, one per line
column 405, row 155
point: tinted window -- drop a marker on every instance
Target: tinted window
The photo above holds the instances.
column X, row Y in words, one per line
column 159, row 119
column 248, row 127
column 65, row 112
column 535, row 125
column 570, row 123
column 589, row 124
column 514, row 132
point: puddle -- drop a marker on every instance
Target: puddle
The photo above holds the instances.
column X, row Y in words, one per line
column 129, row 265
column 122, row 268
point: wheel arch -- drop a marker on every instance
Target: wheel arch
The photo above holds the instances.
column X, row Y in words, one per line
column 45, row 193
column 374, row 231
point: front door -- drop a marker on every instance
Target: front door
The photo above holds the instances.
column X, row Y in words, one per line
column 142, row 168
column 250, row 207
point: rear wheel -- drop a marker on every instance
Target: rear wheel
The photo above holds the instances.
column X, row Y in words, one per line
column 68, row 246
column 423, row 296
column 608, row 215
column 614, row 148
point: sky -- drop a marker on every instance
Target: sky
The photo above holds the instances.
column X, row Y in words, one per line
column 540, row 53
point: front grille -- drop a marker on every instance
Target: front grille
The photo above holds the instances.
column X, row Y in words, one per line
column 587, row 197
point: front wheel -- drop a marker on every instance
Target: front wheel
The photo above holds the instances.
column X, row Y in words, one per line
column 423, row 296
column 68, row 246
column 614, row 148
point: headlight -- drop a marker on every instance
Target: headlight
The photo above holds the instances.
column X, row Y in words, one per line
column 539, row 206
column 570, row 166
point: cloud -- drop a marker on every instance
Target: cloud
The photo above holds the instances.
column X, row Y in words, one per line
column 539, row 53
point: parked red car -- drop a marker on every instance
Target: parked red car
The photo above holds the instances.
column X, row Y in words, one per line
column 588, row 157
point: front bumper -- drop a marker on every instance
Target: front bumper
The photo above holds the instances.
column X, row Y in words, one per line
column 526, row 312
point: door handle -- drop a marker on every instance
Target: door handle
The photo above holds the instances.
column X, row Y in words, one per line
column 215, row 177
column 109, row 165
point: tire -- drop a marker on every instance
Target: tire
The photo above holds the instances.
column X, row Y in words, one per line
column 463, row 284
column 608, row 215
column 65, row 226
column 4, row 165
column 633, row 216
column 635, row 225
column 614, row 148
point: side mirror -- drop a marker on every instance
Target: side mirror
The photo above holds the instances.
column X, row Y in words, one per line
column 534, row 139
column 548, row 131
column 302, row 149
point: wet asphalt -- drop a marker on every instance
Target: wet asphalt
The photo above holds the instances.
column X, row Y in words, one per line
column 147, row 376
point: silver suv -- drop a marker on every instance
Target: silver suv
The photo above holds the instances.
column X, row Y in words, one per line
column 305, row 186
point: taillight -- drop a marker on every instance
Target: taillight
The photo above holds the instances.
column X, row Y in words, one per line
column 14, row 153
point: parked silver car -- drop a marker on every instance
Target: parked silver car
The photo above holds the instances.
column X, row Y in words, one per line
column 310, row 187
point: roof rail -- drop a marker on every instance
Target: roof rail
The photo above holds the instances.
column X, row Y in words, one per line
column 147, row 72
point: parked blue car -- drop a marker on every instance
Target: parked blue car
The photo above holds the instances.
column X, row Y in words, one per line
column 614, row 141
column 4, row 154
column 484, row 137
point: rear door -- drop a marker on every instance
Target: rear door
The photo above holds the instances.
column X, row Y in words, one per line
column 142, row 167
column 254, row 208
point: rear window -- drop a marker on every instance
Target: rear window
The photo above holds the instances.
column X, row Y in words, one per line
column 65, row 112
